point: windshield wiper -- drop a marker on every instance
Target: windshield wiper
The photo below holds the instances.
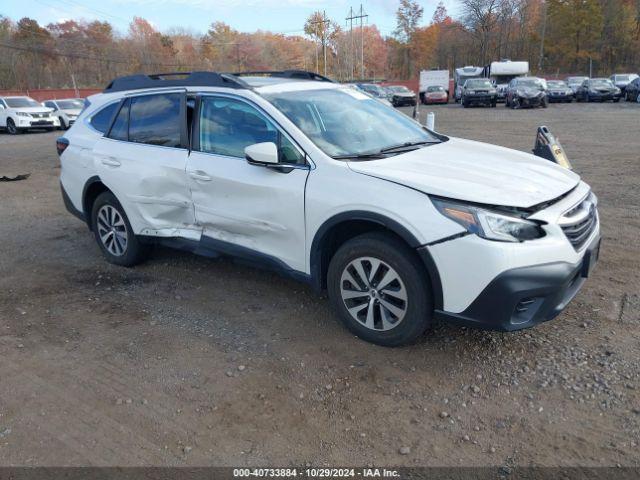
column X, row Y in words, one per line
column 359, row 156
column 406, row 145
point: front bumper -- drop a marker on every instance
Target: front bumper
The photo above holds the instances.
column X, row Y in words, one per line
column 530, row 101
column 526, row 296
column 480, row 98
column 560, row 97
column 403, row 101
column 30, row 122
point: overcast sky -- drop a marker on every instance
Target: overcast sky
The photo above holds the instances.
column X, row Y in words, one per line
column 284, row 16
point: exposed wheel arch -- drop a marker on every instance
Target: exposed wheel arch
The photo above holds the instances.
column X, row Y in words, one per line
column 344, row 226
column 92, row 188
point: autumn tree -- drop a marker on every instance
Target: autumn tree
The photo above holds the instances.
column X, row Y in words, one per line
column 408, row 17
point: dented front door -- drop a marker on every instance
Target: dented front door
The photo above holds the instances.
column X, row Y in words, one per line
column 255, row 211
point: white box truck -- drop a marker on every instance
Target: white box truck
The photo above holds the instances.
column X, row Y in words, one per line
column 432, row 78
column 502, row 72
column 461, row 75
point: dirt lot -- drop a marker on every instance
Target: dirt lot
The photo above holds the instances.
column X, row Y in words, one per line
column 191, row 361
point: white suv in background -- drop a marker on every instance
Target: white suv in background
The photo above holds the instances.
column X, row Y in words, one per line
column 400, row 225
column 66, row 109
column 18, row 114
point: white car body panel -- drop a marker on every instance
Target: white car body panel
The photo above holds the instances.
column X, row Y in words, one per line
column 149, row 181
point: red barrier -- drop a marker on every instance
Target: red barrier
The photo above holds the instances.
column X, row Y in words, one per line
column 51, row 93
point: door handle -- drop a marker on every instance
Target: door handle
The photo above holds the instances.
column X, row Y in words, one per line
column 200, row 176
column 110, row 161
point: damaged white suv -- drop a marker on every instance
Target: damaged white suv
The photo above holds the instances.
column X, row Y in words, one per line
column 400, row 225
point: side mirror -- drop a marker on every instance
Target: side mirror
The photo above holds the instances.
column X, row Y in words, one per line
column 265, row 153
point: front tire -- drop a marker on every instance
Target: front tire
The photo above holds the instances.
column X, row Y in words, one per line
column 379, row 290
column 11, row 127
column 114, row 234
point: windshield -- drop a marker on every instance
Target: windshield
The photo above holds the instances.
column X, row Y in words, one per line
column 556, row 84
column 601, row 82
column 374, row 90
column 399, row 89
column 478, row 84
column 21, row 102
column 345, row 122
column 621, row 78
column 531, row 83
column 576, row 80
column 435, row 89
column 70, row 104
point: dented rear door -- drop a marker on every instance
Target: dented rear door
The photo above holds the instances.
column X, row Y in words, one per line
column 143, row 158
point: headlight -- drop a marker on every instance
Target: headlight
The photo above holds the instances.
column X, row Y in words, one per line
column 618, row 90
column 520, row 93
column 471, row 91
column 492, row 91
column 23, row 114
column 489, row 224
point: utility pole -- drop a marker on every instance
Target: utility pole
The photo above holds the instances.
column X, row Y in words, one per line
column 324, row 21
column 544, row 31
column 351, row 50
column 361, row 15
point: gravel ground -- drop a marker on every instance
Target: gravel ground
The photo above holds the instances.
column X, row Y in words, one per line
column 191, row 361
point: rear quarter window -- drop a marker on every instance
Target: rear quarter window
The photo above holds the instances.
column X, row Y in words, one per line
column 100, row 121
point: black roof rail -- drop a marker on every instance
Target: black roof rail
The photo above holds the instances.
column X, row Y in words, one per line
column 175, row 79
column 293, row 74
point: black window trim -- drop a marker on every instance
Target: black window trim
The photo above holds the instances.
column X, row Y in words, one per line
column 123, row 101
column 195, row 132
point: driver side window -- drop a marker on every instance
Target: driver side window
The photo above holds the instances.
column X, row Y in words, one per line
column 228, row 126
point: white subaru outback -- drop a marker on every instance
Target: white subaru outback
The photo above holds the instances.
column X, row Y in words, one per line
column 399, row 224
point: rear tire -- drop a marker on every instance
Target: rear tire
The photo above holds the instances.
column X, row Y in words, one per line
column 114, row 234
column 379, row 291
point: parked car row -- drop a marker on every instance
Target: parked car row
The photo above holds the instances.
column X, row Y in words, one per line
column 20, row 113
column 538, row 92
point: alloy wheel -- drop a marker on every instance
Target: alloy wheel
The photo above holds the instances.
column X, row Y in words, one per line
column 11, row 127
column 112, row 230
column 373, row 293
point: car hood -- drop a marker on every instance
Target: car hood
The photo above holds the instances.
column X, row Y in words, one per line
column 474, row 172
column 528, row 91
column 33, row 109
column 72, row 111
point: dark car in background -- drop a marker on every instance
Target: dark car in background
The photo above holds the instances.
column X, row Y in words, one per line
column 632, row 92
column 376, row 91
column 598, row 90
column 575, row 82
column 621, row 80
column 526, row 92
column 478, row 91
column 401, row 96
column 559, row 91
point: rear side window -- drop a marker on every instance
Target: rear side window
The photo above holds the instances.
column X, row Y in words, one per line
column 119, row 130
column 156, row 120
column 101, row 120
